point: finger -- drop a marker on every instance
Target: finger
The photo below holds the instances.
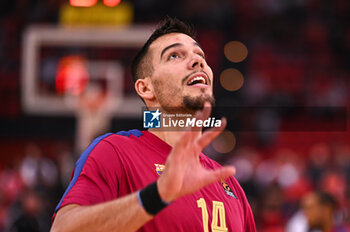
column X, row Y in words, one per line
column 185, row 137
column 220, row 174
column 195, row 131
column 209, row 135
column 197, row 116
column 185, row 142
column 203, row 114
column 206, row 111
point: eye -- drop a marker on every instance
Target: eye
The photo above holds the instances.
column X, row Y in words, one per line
column 201, row 54
column 173, row 56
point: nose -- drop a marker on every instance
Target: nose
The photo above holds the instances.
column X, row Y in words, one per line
column 197, row 62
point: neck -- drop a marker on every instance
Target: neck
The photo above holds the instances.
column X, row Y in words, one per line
column 328, row 226
column 328, row 223
column 171, row 134
column 170, row 137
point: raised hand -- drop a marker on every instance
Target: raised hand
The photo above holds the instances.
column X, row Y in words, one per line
column 183, row 173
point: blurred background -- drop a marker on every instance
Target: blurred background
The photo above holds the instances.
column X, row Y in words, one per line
column 65, row 79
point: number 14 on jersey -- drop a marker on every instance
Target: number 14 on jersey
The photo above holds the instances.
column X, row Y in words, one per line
column 218, row 216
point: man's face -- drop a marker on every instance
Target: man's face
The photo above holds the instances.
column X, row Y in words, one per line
column 314, row 212
column 181, row 78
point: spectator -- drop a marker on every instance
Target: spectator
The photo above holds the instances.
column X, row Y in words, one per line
column 320, row 209
column 27, row 220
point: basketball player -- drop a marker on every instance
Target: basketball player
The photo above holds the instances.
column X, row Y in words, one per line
column 158, row 180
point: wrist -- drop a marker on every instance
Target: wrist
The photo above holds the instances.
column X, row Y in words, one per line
column 165, row 194
column 150, row 199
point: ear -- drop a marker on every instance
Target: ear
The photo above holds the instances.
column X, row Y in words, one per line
column 144, row 88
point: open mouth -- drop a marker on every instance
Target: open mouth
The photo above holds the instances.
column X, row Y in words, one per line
column 198, row 79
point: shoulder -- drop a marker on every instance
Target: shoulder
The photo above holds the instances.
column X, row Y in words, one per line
column 109, row 144
column 120, row 138
column 123, row 136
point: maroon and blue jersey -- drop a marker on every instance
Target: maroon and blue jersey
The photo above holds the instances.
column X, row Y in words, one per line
column 115, row 165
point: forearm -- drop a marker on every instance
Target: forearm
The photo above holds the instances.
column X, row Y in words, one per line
column 124, row 214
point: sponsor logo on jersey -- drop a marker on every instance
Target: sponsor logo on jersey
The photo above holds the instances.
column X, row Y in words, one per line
column 228, row 189
column 159, row 168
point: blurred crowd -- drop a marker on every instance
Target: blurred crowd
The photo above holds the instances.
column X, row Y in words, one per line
column 278, row 186
column 283, row 187
column 299, row 54
column 31, row 185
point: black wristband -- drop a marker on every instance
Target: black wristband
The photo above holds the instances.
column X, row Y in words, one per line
column 150, row 200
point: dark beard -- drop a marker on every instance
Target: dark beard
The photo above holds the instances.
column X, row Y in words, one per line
column 194, row 104
column 191, row 104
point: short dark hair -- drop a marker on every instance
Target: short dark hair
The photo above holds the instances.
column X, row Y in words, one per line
column 326, row 199
column 140, row 67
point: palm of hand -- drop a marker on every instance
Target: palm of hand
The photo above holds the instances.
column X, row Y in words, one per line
column 184, row 173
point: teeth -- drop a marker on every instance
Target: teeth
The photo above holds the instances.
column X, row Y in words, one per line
column 199, row 78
